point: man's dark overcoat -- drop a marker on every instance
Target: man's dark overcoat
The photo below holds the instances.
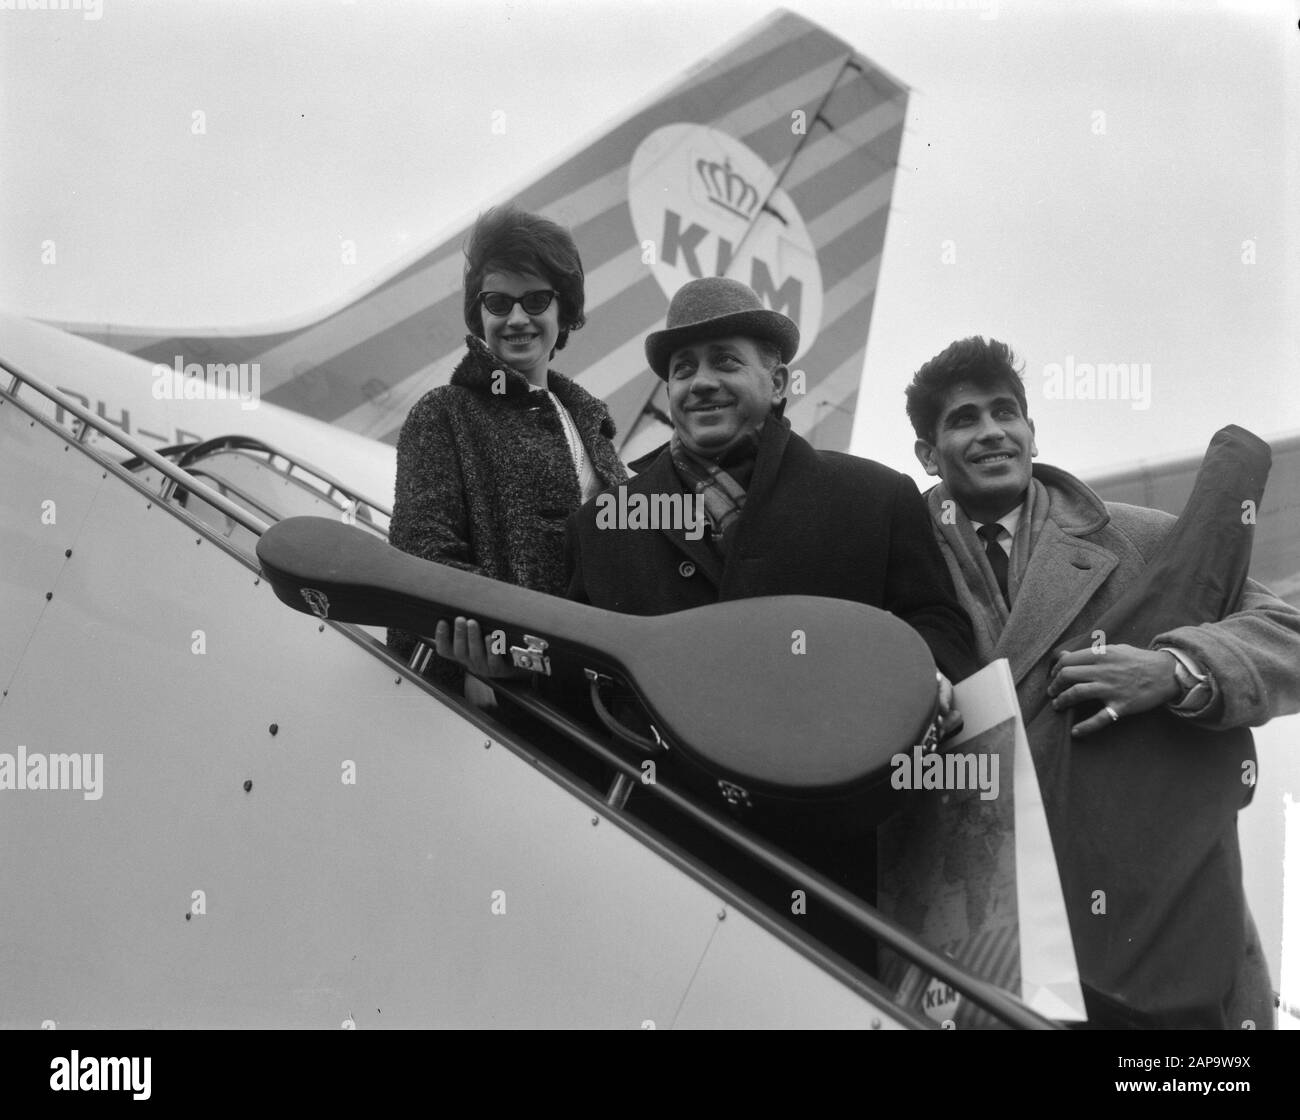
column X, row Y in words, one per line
column 814, row 523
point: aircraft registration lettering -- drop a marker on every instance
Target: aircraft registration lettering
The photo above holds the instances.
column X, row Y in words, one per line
column 63, row 417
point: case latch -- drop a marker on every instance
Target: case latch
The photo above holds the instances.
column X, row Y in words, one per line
column 531, row 655
column 734, row 795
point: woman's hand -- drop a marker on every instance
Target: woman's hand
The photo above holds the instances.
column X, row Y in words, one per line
column 464, row 643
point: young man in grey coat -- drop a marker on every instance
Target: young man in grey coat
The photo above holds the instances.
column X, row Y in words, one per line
column 1037, row 558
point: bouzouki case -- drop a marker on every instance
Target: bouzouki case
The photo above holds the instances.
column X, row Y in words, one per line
column 783, row 700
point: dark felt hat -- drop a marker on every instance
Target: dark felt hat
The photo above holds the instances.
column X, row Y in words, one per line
column 713, row 307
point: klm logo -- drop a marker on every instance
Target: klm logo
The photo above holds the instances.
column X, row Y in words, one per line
column 727, row 188
column 685, row 242
column 939, row 997
column 703, row 204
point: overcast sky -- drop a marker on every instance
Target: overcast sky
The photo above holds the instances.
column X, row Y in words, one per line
column 1092, row 174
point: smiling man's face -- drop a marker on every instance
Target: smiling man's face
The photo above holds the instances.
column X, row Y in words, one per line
column 719, row 390
column 983, row 449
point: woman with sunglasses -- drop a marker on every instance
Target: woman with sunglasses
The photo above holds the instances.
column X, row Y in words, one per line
column 490, row 465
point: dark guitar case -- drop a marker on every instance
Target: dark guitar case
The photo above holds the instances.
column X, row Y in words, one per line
column 782, row 701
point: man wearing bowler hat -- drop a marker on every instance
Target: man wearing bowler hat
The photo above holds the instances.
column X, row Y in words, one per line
column 783, row 518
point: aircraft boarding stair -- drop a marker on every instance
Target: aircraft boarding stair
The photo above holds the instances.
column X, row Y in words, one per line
column 286, row 827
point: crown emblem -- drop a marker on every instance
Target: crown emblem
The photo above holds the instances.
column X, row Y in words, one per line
column 317, row 600
column 727, row 188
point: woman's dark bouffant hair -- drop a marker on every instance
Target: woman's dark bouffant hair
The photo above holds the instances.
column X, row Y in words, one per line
column 506, row 239
column 987, row 365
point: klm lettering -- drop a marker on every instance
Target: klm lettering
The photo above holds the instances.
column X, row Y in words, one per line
column 688, row 244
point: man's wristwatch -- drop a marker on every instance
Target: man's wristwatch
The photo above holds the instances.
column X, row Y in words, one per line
column 1188, row 676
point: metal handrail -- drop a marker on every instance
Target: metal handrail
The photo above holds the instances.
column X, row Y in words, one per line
column 223, row 486
column 857, row 912
column 331, row 487
column 172, row 450
column 902, row 941
column 138, row 450
column 188, row 456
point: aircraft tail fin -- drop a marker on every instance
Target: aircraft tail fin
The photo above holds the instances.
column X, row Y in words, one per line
column 772, row 162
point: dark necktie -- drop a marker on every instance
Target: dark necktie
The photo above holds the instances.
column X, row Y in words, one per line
column 997, row 558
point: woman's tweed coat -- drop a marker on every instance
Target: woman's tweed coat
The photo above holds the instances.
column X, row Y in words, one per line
column 485, row 479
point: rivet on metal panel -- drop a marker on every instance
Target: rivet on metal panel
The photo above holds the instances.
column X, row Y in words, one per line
column 67, row 552
column 487, row 744
column 397, row 680
column 148, row 505
column 198, row 540
column 257, row 582
column 274, row 729
column 595, row 821
column 188, row 915
column 321, row 628
column 722, row 914
column 248, row 785
column 875, row 1024
column 49, row 595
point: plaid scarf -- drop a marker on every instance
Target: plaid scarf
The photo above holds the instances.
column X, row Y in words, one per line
column 723, row 490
